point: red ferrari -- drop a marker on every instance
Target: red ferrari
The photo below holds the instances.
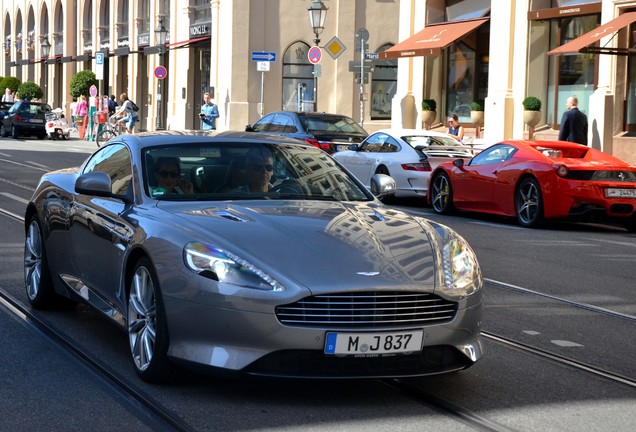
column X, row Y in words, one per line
column 538, row 180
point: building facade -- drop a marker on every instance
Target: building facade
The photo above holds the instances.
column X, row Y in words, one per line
column 453, row 51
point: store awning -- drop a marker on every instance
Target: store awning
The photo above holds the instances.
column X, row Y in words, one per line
column 186, row 43
column 432, row 39
column 582, row 43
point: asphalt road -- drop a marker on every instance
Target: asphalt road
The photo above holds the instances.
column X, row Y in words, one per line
column 553, row 294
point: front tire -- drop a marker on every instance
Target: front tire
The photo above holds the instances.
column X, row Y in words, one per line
column 147, row 328
column 442, row 195
column 14, row 132
column 37, row 276
column 529, row 203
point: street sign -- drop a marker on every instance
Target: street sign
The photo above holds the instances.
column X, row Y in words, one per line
column 262, row 66
column 161, row 72
column 358, row 78
column 371, row 56
column 92, row 91
column 354, row 66
column 314, row 54
column 99, row 66
column 263, row 56
column 335, row 47
column 99, row 58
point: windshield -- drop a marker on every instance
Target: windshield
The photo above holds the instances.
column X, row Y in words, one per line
column 239, row 171
column 331, row 123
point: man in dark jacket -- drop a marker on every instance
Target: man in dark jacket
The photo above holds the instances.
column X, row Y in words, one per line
column 573, row 123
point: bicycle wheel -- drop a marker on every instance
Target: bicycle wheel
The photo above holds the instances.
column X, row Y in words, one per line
column 104, row 136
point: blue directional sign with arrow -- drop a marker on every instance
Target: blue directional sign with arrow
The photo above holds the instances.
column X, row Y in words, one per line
column 263, row 56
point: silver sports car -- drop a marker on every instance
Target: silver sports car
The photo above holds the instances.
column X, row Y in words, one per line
column 252, row 253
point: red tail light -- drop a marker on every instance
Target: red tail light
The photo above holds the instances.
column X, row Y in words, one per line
column 49, row 125
column 421, row 166
column 321, row 145
column 561, row 170
column 18, row 118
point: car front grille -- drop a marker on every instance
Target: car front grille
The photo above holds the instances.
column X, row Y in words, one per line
column 367, row 310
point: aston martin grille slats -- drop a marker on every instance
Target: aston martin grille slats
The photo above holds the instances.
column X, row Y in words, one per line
column 367, row 310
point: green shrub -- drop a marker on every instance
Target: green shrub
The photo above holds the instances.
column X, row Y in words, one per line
column 429, row 105
column 82, row 82
column 477, row 105
column 10, row 82
column 30, row 90
column 532, row 103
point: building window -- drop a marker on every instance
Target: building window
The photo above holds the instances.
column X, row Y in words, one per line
column 383, row 86
column 298, row 79
column 575, row 74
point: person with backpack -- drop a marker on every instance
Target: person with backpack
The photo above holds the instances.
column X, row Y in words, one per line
column 129, row 110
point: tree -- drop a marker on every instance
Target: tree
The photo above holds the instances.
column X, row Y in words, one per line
column 82, row 82
column 10, row 82
column 30, row 90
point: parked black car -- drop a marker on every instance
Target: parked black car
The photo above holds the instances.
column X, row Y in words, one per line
column 330, row 132
column 25, row 118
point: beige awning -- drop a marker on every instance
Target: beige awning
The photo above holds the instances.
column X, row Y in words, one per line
column 432, row 39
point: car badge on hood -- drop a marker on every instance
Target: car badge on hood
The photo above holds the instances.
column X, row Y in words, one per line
column 368, row 273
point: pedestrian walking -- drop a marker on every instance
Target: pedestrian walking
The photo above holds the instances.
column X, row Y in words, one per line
column 8, row 95
column 209, row 113
column 573, row 123
column 73, row 108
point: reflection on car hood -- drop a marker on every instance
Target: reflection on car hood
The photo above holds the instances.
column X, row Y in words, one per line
column 324, row 244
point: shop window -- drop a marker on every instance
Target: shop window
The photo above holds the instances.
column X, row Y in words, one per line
column 298, row 79
column 383, row 86
column 575, row 74
column 466, row 9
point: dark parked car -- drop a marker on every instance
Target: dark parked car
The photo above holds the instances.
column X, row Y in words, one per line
column 329, row 132
column 25, row 118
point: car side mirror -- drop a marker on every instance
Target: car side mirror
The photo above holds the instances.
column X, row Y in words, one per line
column 354, row 147
column 383, row 185
column 458, row 163
column 94, row 183
column 249, row 128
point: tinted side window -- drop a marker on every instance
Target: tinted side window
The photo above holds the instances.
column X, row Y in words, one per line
column 282, row 123
column 495, row 154
column 264, row 124
column 375, row 142
column 115, row 161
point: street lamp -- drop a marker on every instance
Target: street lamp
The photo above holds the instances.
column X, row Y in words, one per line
column 45, row 48
column 317, row 14
column 161, row 35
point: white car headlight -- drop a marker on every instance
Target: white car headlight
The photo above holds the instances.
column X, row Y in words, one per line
column 462, row 274
column 226, row 267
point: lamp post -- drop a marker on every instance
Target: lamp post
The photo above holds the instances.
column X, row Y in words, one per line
column 317, row 14
column 161, row 35
column 46, row 48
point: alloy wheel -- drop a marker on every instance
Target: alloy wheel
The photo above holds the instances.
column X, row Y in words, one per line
column 142, row 313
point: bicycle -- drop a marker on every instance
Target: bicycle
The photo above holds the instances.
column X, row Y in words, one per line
column 110, row 129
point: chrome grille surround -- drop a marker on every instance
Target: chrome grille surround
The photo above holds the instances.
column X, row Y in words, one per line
column 368, row 310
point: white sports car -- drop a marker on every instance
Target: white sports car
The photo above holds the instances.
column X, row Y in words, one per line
column 407, row 155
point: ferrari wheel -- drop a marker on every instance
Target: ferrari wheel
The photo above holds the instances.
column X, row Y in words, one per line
column 442, row 194
column 37, row 277
column 529, row 203
column 147, row 329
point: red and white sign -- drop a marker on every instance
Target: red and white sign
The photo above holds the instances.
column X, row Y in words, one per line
column 314, row 54
column 161, row 72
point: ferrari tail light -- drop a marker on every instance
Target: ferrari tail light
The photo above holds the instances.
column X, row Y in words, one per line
column 421, row 166
column 561, row 170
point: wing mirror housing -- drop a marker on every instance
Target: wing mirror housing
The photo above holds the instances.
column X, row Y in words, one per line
column 97, row 183
column 459, row 163
column 383, row 185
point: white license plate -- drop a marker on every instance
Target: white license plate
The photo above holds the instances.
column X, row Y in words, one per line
column 36, row 121
column 620, row 193
column 373, row 343
column 342, row 147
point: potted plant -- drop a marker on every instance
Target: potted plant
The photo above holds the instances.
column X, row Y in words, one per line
column 531, row 113
column 429, row 107
column 477, row 116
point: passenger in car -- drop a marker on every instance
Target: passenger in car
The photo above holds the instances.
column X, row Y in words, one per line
column 168, row 176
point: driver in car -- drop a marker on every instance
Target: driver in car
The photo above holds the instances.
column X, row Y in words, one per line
column 259, row 168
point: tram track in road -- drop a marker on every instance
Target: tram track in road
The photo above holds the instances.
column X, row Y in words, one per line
column 147, row 409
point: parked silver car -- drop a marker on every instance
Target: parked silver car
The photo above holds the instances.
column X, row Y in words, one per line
column 310, row 276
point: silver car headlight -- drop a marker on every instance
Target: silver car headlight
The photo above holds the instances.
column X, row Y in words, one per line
column 226, row 267
column 462, row 274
